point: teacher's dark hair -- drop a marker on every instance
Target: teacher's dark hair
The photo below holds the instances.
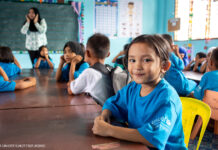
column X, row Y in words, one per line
column 32, row 26
column 6, row 55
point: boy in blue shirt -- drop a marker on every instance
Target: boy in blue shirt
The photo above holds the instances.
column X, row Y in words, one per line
column 209, row 80
column 8, row 86
column 149, row 104
column 175, row 75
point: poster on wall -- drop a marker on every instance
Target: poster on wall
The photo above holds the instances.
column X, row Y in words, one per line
column 173, row 24
column 106, row 17
column 130, row 18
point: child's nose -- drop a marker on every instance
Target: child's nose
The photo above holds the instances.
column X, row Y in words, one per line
column 138, row 65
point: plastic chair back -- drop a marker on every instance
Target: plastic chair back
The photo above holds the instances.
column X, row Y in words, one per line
column 190, row 109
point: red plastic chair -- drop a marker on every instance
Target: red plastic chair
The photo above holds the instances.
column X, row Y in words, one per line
column 211, row 98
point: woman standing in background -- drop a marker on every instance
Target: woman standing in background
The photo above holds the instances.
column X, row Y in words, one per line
column 34, row 28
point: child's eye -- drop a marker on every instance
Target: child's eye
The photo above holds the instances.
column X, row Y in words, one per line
column 147, row 60
column 131, row 60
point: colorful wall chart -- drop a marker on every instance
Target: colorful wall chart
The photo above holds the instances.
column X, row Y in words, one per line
column 106, row 17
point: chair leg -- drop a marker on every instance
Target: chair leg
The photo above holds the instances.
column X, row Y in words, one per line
column 196, row 128
column 216, row 127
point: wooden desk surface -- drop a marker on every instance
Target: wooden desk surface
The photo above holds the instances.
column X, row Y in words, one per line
column 196, row 76
column 45, row 117
column 47, row 93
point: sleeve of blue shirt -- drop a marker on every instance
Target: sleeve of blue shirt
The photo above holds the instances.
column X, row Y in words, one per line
column 6, row 86
column 117, row 104
column 158, row 130
column 17, row 70
column 199, row 90
column 81, row 69
column 178, row 63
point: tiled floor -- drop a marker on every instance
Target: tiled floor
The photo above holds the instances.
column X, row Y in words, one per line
column 209, row 142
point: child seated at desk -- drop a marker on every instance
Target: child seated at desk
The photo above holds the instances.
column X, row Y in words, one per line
column 7, row 86
column 119, row 59
column 196, row 63
column 175, row 75
column 73, row 58
column 149, row 104
column 44, row 61
column 209, row 81
column 8, row 62
column 96, row 82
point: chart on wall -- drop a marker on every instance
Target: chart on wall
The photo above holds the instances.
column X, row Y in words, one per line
column 106, row 17
column 130, row 18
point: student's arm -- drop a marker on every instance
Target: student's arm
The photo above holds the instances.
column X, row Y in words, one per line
column 176, row 51
column 3, row 74
column 179, row 64
column 49, row 61
column 115, row 58
column 59, row 70
column 199, row 90
column 103, row 128
column 203, row 67
column 42, row 27
column 74, row 61
column 37, row 64
column 25, row 83
column 199, row 61
column 188, row 67
column 17, row 63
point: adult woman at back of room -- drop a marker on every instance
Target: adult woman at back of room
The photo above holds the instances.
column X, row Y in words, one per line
column 35, row 30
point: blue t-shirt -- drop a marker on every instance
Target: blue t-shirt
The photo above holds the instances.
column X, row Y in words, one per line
column 157, row 116
column 10, row 68
column 6, row 86
column 66, row 70
column 43, row 64
column 176, row 77
column 209, row 81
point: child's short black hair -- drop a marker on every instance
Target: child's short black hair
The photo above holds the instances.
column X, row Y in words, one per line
column 125, row 47
column 214, row 57
column 201, row 55
column 156, row 42
column 74, row 47
column 100, row 45
column 168, row 38
column 6, row 55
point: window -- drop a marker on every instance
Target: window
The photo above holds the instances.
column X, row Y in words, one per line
column 198, row 19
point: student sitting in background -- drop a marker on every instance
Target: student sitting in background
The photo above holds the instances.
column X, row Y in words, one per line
column 204, row 66
column 119, row 59
column 7, row 86
column 149, row 104
column 73, row 55
column 8, row 62
column 184, row 55
column 196, row 63
column 209, row 81
column 95, row 82
column 44, row 61
column 174, row 75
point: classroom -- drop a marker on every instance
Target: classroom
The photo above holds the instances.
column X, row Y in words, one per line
column 108, row 74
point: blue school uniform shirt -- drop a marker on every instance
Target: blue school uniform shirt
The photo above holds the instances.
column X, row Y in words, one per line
column 43, row 64
column 176, row 77
column 10, row 68
column 209, row 81
column 157, row 116
column 66, row 70
column 6, row 86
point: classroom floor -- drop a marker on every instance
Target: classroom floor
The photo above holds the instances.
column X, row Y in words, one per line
column 209, row 142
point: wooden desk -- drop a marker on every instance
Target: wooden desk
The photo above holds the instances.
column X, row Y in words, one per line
column 47, row 93
column 45, row 117
column 196, row 76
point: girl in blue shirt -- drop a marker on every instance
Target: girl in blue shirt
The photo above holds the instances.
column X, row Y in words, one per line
column 149, row 104
column 73, row 59
column 44, row 61
column 8, row 62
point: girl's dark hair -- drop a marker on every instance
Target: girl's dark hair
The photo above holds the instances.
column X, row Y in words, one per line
column 214, row 57
column 6, row 55
column 156, row 42
column 32, row 26
column 76, row 48
column 201, row 55
column 40, row 49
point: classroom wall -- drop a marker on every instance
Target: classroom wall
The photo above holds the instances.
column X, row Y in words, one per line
column 169, row 7
column 150, row 15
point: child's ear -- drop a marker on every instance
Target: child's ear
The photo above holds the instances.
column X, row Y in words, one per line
column 166, row 66
column 88, row 53
column 108, row 54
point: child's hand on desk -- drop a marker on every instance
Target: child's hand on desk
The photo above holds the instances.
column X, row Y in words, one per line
column 101, row 127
